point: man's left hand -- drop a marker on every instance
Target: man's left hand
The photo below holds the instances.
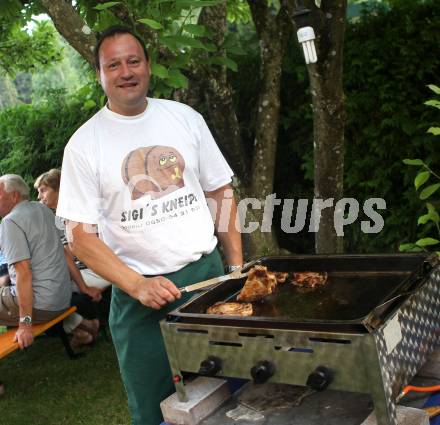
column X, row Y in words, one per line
column 24, row 336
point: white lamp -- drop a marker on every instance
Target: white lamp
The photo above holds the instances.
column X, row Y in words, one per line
column 306, row 34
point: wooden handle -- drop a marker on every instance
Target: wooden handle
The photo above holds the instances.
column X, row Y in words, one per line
column 432, row 411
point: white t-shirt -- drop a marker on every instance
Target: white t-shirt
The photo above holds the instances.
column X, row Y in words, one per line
column 141, row 180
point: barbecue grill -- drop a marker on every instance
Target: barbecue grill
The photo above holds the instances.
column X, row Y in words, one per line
column 368, row 330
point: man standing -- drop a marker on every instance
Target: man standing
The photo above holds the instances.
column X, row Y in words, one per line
column 40, row 283
column 143, row 169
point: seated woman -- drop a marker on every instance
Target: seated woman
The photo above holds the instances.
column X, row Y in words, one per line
column 88, row 288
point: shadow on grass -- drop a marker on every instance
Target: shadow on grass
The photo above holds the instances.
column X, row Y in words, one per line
column 45, row 387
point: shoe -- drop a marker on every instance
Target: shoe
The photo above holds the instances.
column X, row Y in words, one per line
column 90, row 326
column 81, row 338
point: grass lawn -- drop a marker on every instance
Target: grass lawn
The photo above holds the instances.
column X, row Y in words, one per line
column 44, row 387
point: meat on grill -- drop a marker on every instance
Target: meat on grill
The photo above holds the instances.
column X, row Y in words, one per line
column 309, row 279
column 281, row 277
column 260, row 283
column 231, row 309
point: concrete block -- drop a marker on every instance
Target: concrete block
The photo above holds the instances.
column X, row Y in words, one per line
column 204, row 396
column 405, row 416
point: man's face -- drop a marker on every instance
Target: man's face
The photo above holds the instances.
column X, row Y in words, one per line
column 7, row 201
column 124, row 74
column 47, row 196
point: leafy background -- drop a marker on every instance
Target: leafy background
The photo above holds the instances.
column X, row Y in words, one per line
column 391, row 55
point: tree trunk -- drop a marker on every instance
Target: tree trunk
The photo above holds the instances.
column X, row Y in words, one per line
column 218, row 96
column 72, row 27
column 329, row 119
column 8, row 93
column 272, row 30
column 221, row 113
column 329, row 116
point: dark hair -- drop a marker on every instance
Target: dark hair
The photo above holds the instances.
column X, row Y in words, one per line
column 110, row 32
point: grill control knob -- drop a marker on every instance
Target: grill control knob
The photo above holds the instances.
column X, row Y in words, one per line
column 320, row 378
column 211, row 366
column 262, row 371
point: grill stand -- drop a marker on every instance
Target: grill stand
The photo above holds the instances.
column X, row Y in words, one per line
column 419, row 321
column 385, row 411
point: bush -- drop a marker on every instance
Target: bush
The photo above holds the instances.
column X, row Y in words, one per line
column 389, row 57
column 33, row 136
column 427, row 182
column 390, row 54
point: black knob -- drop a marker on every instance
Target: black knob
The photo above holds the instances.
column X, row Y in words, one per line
column 320, row 378
column 211, row 366
column 262, row 371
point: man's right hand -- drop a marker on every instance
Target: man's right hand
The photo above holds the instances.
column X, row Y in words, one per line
column 24, row 336
column 155, row 292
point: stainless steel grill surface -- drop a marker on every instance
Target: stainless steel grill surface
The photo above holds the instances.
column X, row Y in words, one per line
column 369, row 329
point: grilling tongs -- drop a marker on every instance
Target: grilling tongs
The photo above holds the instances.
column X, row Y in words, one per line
column 236, row 274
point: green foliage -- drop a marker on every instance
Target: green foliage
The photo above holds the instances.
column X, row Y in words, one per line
column 33, row 137
column 389, row 55
column 69, row 74
column 388, row 58
column 22, row 51
column 431, row 219
column 8, row 93
column 33, row 86
column 238, row 11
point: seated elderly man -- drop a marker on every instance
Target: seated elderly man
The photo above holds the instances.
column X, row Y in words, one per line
column 40, row 283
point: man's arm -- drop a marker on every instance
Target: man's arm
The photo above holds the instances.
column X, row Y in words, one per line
column 225, row 224
column 152, row 292
column 76, row 276
column 25, row 294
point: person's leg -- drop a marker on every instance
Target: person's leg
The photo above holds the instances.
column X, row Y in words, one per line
column 43, row 316
column 84, row 305
column 9, row 312
column 139, row 345
column 71, row 322
column 83, row 331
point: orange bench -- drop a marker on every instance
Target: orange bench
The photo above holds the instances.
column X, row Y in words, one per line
column 7, row 344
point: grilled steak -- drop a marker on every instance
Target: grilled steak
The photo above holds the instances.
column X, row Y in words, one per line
column 260, row 282
column 309, row 279
column 231, row 309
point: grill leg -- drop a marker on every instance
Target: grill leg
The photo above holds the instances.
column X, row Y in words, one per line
column 385, row 412
column 380, row 388
column 167, row 334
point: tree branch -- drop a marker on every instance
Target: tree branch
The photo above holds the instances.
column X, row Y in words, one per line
column 72, row 27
